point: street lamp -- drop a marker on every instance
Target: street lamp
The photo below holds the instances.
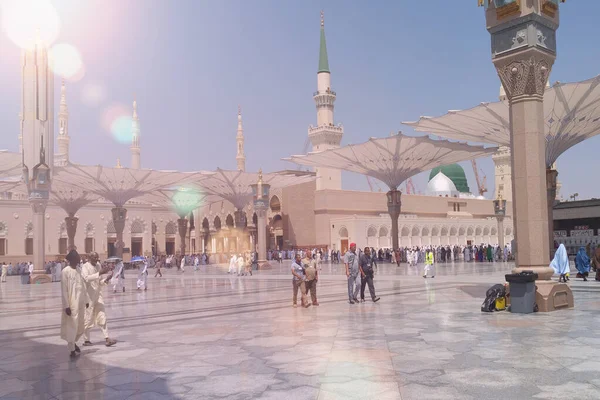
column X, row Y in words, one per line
column 260, row 193
column 574, row 196
column 394, row 203
column 523, row 37
column 500, row 211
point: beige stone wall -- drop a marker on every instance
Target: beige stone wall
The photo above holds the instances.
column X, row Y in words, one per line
column 15, row 216
column 298, row 203
column 331, row 204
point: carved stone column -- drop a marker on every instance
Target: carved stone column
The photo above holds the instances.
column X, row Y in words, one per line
column 38, row 207
column 551, row 179
column 182, row 226
column 523, row 52
column 71, row 224
column 119, row 216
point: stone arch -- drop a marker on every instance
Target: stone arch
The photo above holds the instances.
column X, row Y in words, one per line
column 343, row 232
column 425, row 231
column 470, row 231
column 154, row 228
column 494, row 230
column 277, row 222
column 478, row 231
column 444, row 231
column 110, row 228
column 453, row 231
column 508, row 231
column 170, row 228
column 89, row 231
column 275, row 204
column 205, row 224
column 435, row 231
column 229, row 221
column 29, row 229
column 138, row 227
column 384, row 231
column 372, row 231
column 416, row 231
column 255, row 219
column 217, row 223
column 461, row 231
column 486, row 230
column 405, row 231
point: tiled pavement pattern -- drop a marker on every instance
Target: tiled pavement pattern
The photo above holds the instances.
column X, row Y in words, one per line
column 206, row 335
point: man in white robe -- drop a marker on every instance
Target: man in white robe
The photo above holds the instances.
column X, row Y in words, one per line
column 232, row 264
column 183, row 264
column 196, row 263
column 118, row 279
column 30, row 268
column 4, row 272
column 74, row 304
column 240, row 265
column 94, row 276
column 143, row 277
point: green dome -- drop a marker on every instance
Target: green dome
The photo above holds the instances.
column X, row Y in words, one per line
column 456, row 174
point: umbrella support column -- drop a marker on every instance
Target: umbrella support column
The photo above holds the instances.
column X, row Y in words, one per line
column 119, row 216
column 182, row 226
column 394, row 203
column 71, row 224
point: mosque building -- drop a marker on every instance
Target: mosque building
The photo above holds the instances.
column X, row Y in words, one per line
column 315, row 214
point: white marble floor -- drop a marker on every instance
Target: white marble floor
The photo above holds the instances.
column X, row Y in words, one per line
column 206, row 335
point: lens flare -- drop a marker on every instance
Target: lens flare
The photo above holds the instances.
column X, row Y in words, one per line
column 117, row 120
column 66, row 61
column 93, row 94
column 29, row 22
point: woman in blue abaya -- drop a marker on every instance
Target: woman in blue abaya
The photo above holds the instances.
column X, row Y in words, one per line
column 582, row 262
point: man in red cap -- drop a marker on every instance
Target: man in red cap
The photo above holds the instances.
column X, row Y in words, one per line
column 353, row 273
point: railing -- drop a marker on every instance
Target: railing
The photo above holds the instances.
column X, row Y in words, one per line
column 325, row 92
column 331, row 128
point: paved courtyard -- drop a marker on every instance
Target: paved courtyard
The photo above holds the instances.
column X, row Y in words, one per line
column 206, row 335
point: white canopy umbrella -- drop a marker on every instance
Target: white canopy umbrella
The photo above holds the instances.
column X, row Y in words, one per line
column 571, row 110
column 392, row 160
column 120, row 185
column 571, row 115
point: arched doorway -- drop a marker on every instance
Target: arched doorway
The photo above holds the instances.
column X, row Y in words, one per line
column 170, row 234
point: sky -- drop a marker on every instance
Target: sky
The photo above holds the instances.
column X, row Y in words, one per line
column 190, row 63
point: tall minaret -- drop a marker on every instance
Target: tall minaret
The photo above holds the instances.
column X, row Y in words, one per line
column 63, row 128
column 37, row 113
column 37, row 107
column 240, row 157
column 325, row 135
column 135, row 139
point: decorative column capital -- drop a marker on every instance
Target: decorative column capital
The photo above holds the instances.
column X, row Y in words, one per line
column 525, row 77
column 38, row 205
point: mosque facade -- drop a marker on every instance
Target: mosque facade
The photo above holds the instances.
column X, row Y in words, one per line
column 315, row 214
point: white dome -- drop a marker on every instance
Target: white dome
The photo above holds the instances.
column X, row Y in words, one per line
column 441, row 184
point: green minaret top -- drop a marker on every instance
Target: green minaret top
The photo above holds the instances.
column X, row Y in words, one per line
column 323, row 61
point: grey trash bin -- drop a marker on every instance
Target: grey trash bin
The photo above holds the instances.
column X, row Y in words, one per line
column 522, row 291
column 25, row 279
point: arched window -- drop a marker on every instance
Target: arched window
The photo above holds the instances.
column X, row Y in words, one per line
column 383, row 231
column 171, row 228
column 110, row 228
column 416, row 231
column 372, row 231
column 137, row 227
column 229, row 221
column 405, row 231
column 217, row 223
column 343, row 232
column 275, row 204
column 205, row 224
